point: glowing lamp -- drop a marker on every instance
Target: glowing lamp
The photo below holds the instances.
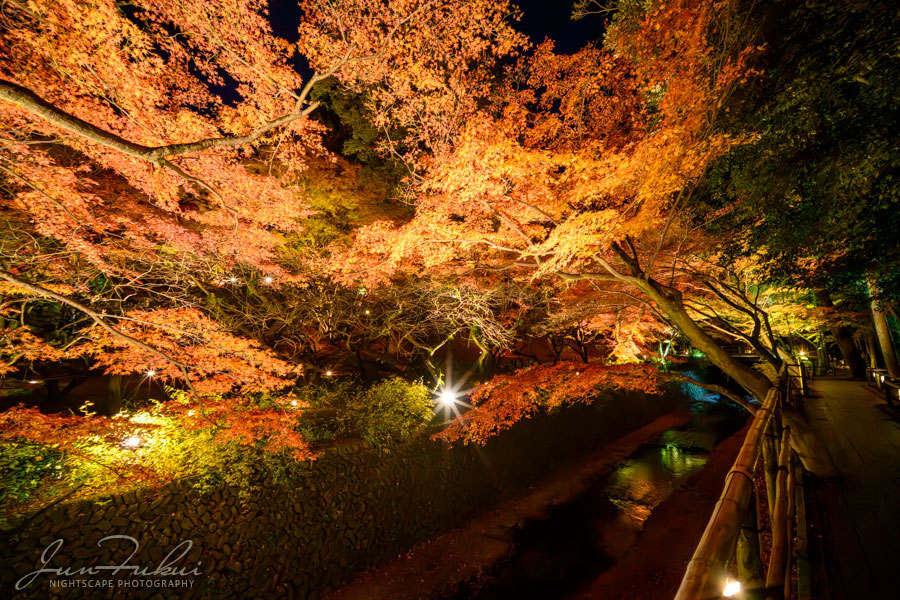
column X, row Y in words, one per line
column 132, row 442
column 150, row 373
column 803, row 353
column 267, row 280
column 367, row 311
column 293, row 403
column 34, row 381
column 232, row 279
column 732, row 588
column 448, row 398
column 327, row 373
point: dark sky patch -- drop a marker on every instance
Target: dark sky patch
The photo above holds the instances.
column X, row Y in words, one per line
column 552, row 18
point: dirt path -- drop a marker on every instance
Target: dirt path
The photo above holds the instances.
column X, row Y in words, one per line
column 435, row 568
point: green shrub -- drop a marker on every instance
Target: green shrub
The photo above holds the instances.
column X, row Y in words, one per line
column 23, row 468
column 390, row 410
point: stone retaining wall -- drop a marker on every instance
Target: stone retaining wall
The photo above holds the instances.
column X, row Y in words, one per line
column 356, row 506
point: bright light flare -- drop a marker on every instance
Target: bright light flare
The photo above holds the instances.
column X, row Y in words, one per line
column 267, row 280
column 132, row 442
column 34, row 382
column 328, row 373
column 732, row 588
column 448, row 398
column 294, row 403
column 150, row 373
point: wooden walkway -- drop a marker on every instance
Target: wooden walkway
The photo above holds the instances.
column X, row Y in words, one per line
column 856, row 504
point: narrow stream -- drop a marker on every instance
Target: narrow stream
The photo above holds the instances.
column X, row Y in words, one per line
column 585, row 537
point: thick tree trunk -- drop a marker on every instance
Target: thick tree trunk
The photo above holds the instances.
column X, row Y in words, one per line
column 871, row 352
column 822, row 354
column 883, row 333
column 669, row 301
column 843, row 338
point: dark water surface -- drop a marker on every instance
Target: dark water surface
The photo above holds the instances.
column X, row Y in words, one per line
column 585, row 537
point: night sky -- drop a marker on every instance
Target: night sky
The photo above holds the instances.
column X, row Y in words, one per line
column 542, row 19
column 551, row 18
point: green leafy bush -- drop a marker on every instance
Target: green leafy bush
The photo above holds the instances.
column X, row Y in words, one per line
column 390, row 410
column 23, row 468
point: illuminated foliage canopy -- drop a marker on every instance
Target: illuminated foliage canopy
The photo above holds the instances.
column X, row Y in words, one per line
column 171, row 209
column 151, row 153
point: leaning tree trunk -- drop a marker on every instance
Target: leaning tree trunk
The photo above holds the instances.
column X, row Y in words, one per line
column 872, row 357
column 843, row 338
column 669, row 301
column 803, row 440
column 883, row 333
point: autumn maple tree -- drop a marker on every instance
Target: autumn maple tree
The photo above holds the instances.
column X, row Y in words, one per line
column 150, row 158
column 583, row 174
column 152, row 171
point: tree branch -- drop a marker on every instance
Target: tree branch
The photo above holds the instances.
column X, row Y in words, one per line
column 98, row 318
column 714, row 388
column 31, row 102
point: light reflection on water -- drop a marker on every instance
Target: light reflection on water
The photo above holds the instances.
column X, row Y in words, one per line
column 587, row 536
column 649, row 476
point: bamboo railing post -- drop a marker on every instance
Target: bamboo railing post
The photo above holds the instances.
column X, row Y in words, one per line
column 804, row 591
column 791, row 513
column 705, row 573
column 780, row 527
column 770, row 466
column 751, row 571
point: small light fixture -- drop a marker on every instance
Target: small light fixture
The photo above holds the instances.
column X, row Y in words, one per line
column 150, row 373
column 803, row 353
column 293, row 403
column 327, row 373
column 267, row 280
column 732, row 588
column 232, row 279
column 34, row 382
column 578, row 372
column 367, row 311
column 132, row 442
column 448, row 398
